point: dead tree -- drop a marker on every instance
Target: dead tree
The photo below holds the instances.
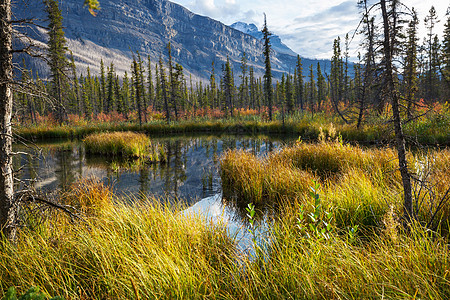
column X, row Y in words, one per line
column 8, row 209
column 392, row 93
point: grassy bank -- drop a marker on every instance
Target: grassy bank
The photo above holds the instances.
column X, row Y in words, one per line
column 430, row 129
column 147, row 251
column 361, row 184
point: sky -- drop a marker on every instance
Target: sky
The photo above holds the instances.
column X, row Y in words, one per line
column 308, row 27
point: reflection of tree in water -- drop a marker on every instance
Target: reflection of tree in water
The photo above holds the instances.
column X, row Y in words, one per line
column 229, row 143
column 26, row 167
column 144, row 180
column 191, row 171
column 65, row 172
column 33, row 170
column 81, row 158
column 269, row 146
column 173, row 173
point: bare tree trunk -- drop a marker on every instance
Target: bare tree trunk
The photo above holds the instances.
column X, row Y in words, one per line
column 8, row 210
column 400, row 139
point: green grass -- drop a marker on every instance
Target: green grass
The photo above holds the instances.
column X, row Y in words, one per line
column 430, row 129
column 146, row 250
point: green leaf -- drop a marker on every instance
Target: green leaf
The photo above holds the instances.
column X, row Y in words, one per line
column 11, row 294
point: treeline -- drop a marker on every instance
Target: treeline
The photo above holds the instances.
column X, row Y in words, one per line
column 423, row 72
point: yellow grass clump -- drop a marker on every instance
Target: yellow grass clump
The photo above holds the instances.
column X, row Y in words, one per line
column 359, row 183
column 146, row 250
column 128, row 144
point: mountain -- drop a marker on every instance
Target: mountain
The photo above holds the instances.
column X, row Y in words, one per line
column 123, row 27
column 275, row 40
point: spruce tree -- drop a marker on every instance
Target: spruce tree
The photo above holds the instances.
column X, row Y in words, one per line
column 410, row 70
column 228, row 87
column 289, row 95
column 177, row 85
column 243, row 89
column 88, row 89
column 163, row 83
column 118, row 94
column 445, row 54
column 150, row 83
column 173, row 82
column 126, row 95
column 57, row 60
column 311, row 89
column 336, row 76
column 111, row 97
column 268, row 92
column 141, row 86
column 253, row 88
column 369, row 44
column 213, row 86
column 158, row 94
column 137, row 89
column 321, row 88
column 299, row 83
column 431, row 76
column 102, row 96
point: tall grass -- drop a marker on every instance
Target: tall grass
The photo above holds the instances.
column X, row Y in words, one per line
column 128, row 144
column 414, row 266
column 146, row 250
column 140, row 251
column 360, row 183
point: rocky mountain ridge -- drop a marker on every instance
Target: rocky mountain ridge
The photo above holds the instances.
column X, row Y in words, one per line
column 123, row 27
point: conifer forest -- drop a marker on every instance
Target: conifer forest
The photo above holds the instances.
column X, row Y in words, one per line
column 313, row 179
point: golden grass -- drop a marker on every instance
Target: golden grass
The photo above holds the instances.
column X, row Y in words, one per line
column 127, row 144
column 359, row 183
column 246, row 177
column 143, row 250
column 146, row 250
column 88, row 195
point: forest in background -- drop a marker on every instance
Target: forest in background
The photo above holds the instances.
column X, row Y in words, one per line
column 160, row 90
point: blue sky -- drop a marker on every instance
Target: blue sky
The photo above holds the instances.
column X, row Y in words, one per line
column 307, row 26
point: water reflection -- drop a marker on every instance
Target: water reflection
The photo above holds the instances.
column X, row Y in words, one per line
column 190, row 172
column 216, row 210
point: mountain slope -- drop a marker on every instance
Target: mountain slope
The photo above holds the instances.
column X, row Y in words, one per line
column 275, row 40
column 122, row 27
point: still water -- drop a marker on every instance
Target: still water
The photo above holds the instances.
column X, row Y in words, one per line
column 191, row 173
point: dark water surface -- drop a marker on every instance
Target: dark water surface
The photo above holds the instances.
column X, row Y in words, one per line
column 190, row 174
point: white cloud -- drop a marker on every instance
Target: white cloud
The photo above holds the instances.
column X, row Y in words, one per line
column 217, row 9
column 307, row 26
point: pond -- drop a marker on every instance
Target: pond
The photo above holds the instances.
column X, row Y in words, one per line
column 191, row 173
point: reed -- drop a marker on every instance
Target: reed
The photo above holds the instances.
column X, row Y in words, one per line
column 147, row 250
column 144, row 250
column 360, row 183
column 126, row 144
